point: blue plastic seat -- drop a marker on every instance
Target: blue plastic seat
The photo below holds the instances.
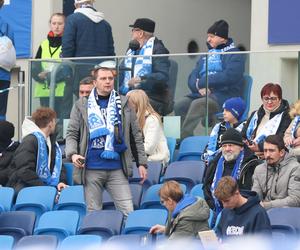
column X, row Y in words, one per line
column 140, row 221
column 283, row 232
column 104, row 223
column 191, row 148
column 44, row 242
column 189, row 173
column 197, row 190
column 69, row 172
column 59, row 223
column 6, row 242
column 38, row 199
column 151, row 198
column 285, row 216
column 171, row 145
column 72, row 198
column 17, row 223
column 80, row 242
column 6, row 198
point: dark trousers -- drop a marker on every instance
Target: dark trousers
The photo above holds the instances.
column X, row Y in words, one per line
column 3, row 98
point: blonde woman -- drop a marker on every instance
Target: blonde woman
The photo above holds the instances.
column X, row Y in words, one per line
column 292, row 134
column 155, row 142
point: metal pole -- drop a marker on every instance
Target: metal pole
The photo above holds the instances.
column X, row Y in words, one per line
column 52, row 86
column 21, row 102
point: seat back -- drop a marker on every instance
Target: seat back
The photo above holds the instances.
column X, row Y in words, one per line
column 285, row 216
column 6, row 198
column 69, row 172
column 248, row 81
column 140, row 221
column 17, row 223
column 171, row 145
column 38, row 199
column 197, row 190
column 44, row 242
column 6, row 242
column 189, row 173
column 104, row 223
column 283, row 232
column 81, row 242
column 192, row 147
column 172, row 82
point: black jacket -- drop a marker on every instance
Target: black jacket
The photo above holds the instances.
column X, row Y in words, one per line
column 285, row 121
column 245, row 182
column 6, row 157
column 23, row 167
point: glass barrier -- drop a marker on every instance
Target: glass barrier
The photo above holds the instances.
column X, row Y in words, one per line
column 177, row 85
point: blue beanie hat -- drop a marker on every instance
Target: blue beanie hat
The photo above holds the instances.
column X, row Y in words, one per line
column 236, row 106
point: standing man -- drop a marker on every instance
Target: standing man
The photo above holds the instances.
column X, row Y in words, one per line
column 148, row 73
column 5, row 30
column 225, row 79
column 98, row 143
column 277, row 180
column 242, row 213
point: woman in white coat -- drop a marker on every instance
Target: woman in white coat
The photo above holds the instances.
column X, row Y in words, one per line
column 155, row 142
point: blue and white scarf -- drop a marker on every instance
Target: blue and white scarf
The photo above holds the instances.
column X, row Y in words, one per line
column 99, row 127
column 219, row 172
column 42, row 165
column 143, row 63
column 270, row 128
column 295, row 126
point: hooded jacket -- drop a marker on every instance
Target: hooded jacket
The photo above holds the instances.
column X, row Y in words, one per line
column 23, row 166
column 278, row 186
column 87, row 34
column 189, row 217
column 250, row 218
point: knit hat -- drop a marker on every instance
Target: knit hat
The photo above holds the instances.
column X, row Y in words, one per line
column 232, row 136
column 236, row 106
column 7, row 132
column 219, row 28
column 144, row 24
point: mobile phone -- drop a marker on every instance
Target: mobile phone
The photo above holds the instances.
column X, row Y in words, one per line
column 81, row 161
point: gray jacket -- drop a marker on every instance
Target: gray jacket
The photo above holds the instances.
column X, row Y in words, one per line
column 78, row 136
column 278, row 186
column 189, row 221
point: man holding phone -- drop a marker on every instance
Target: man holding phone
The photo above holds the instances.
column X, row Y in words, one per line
column 98, row 143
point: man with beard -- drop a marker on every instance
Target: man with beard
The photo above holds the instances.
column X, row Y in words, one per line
column 277, row 180
column 235, row 160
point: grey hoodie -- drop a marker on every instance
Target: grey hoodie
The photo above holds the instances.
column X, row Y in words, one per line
column 278, row 186
column 95, row 16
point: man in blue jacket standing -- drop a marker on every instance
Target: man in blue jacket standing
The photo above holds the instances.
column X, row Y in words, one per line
column 225, row 79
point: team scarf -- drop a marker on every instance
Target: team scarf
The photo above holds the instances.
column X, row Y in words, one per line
column 218, row 175
column 270, row 128
column 111, row 127
column 295, row 124
column 143, row 63
column 42, row 164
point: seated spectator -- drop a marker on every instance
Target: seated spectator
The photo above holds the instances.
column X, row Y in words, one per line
column 236, row 160
column 242, row 213
column 155, row 142
column 277, row 180
column 85, row 86
column 271, row 118
column 187, row 215
column 225, row 79
column 292, row 134
column 7, row 149
column 147, row 73
column 38, row 159
column 233, row 109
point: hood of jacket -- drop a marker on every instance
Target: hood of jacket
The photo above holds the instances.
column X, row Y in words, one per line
column 253, row 199
column 91, row 13
column 29, row 127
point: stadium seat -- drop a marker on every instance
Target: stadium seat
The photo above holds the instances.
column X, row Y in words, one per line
column 151, row 198
column 6, row 242
column 59, row 223
column 197, row 190
column 171, row 145
column 6, row 198
column 191, row 148
column 17, row 223
column 69, row 172
column 38, row 199
column 124, row 241
column 81, row 242
column 43, row 242
column 283, row 232
column 285, row 216
column 104, row 223
column 189, row 173
column 72, row 198
column 140, row 221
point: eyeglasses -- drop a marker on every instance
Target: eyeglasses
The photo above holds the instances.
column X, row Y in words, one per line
column 110, row 78
column 270, row 98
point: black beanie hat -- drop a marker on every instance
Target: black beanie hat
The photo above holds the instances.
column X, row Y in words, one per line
column 7, row 131
column 232, row 136
column 219, row 28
